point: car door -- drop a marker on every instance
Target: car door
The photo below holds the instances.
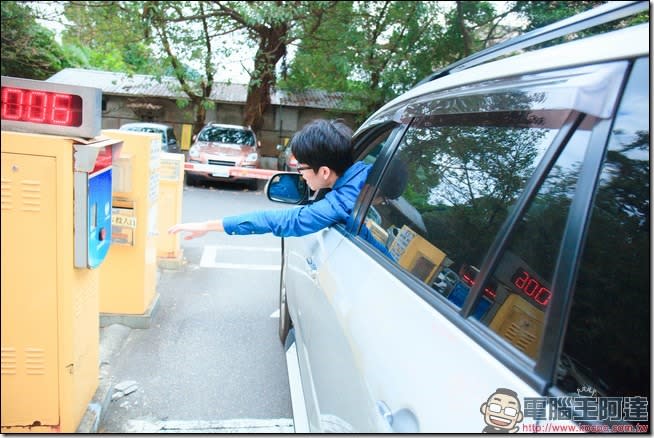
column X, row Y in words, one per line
column 487, row 195
column 314, row 313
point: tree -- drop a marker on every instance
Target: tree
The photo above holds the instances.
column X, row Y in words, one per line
column 374, row 51
column 542, row 13
column 29, row 50
column 110, row 35
column 189, row 31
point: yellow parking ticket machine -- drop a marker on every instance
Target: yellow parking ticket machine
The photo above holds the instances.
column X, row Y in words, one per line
column 56, row 228
column 128, row 276
column 171, row 189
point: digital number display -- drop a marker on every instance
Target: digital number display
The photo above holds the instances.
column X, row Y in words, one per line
column 530, row 286
column 42, row 107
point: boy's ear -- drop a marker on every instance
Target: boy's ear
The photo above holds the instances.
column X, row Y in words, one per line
column 325, row 172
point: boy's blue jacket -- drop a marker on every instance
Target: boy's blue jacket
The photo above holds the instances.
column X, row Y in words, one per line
column 334, row 208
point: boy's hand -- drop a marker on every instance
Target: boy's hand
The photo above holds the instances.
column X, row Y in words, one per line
column 195, row 229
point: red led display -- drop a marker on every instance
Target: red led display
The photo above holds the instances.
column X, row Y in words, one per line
column 468, row 277
column 531, row 287
column 42, row 107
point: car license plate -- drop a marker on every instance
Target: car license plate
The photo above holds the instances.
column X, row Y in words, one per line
column 222, row 172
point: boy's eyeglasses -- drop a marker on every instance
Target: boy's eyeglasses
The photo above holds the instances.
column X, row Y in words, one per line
column 301, row 168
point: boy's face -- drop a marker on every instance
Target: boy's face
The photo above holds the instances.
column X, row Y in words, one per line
column 323, row 178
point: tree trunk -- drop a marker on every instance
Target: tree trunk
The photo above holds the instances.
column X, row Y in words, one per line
column 467, row 43
column 200, row 116
column 272, row 48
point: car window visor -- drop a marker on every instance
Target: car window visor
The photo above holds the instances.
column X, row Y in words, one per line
column 591, row 90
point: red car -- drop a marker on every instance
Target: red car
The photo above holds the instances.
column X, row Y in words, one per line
column 217, row 149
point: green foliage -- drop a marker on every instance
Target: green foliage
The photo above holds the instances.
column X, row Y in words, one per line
column 28, row 49
column 374, row 51
column 112, row 36
column 370, row 51
column 182, row 103
column 542, row 13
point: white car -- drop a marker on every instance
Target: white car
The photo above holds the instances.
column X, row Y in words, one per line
column 168, row 139
column 529, row 177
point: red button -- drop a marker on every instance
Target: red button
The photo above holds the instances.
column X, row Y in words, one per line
column 103, row 234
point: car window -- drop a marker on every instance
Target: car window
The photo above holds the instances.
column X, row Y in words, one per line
column 456, row 176
column 447, row 191
column 373, row 148
column 606, row 347
column 516, row 297
column 227, row 135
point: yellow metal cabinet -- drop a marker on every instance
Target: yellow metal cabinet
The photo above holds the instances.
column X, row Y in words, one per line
column 187, row 132
column 171, row 189
column 128, row 275
column 50, row 328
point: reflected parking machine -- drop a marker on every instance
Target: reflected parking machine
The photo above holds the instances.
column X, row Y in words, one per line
column 414, row 253
column 56, row 227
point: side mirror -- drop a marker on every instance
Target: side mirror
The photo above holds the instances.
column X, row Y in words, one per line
column 288, row 188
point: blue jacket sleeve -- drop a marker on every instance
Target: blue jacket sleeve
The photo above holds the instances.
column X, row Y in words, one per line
column 334, row 208
column 298, row 221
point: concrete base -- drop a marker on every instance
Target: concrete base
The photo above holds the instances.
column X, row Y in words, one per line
column 133, row 321
column 174, row 263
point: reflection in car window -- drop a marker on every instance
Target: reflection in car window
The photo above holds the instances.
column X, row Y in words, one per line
column 461, row 180
column 226, row 135
column 516, row 296
column 606, row 347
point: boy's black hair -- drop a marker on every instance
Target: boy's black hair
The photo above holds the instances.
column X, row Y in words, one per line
column 324, row 143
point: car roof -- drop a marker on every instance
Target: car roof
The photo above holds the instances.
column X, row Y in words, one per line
column 145, row 125
column 625, row 43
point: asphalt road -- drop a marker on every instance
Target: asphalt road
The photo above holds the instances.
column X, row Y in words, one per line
column 211, row 360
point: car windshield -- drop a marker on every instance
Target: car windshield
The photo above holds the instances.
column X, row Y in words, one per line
column 227, row 135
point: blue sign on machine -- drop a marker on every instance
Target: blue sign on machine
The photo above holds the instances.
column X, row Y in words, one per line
column 99, row 217
column 93, row 193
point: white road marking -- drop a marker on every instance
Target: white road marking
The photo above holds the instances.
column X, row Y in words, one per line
column 250, row 267
column 239, row 425
column 209, row 253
